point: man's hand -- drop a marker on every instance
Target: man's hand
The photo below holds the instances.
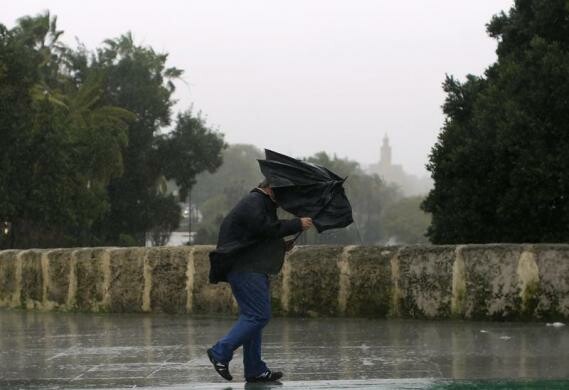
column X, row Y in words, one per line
column 306, row 223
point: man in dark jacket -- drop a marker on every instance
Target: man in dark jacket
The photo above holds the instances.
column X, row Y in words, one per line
column 250, row 247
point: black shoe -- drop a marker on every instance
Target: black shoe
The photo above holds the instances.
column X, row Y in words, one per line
column 267, row 376
column 221, row 368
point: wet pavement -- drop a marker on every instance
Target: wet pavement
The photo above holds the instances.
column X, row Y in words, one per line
column 68, row 350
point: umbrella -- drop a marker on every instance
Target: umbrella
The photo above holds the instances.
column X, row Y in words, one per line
column 307, row 190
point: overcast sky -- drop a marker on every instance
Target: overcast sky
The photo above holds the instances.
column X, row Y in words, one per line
column 301, row 76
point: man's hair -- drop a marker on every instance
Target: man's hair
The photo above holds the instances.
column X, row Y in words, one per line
column 264, row 184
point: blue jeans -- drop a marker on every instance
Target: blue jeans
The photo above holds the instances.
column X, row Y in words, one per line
column 251, row 290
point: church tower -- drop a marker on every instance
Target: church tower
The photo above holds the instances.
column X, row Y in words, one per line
column 385, row 156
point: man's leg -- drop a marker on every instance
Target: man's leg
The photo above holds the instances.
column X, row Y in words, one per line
column 252, row 361
column 251, row 290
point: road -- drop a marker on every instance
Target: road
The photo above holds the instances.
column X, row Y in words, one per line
column 72, row 350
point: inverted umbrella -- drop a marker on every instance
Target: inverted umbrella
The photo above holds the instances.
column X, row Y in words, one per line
column 307, row 190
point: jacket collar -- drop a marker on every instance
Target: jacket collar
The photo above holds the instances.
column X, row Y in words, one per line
column 260, row 191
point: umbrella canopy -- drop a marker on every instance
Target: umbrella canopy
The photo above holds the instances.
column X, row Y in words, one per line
column 307, row 190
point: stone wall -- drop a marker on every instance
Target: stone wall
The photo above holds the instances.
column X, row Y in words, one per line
column 498, row 282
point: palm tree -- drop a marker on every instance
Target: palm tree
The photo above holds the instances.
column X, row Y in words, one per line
column 41, row 34
column 99, row 131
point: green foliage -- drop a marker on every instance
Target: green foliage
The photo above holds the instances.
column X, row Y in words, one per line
column 18, row 74
column 238, row 175
column 500, row 164
column 188, row 150
column 215, row 195
column 80, row 156
column 165, row 213
column 135, row 80
column 44, row 191
column 369, row 197
column 213, row 211
column 405, row 222
column 139, row 80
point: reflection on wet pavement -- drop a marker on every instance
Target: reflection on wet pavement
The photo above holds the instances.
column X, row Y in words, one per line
column 55, row 350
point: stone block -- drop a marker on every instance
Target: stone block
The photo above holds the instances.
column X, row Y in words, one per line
column 169, row 280
column 9, row 286
column 491, row 281
column 314, row 281
column 207, row 298
column 32, row 279
column 425, row 281
column 90, row 276
column 58, row 276
column 553, row 293
column 369, row 287
column 127, row 279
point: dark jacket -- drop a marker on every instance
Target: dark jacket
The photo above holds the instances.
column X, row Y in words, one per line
column 251, row 238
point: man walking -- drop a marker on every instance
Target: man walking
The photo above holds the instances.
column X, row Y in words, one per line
column 252, row 227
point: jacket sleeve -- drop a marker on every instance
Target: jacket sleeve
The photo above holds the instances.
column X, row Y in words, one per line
column 259, row 224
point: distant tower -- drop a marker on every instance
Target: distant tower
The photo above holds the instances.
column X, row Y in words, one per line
column 385, row 157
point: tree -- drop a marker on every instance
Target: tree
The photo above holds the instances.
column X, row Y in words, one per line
column 216, row 193
column 500, row 164
column 378, row 212
column 238, row 175
column 369, row 197
column 405, row 223
column 18, row 74
column 189, row 149
column 50, row 192
column 81, row 161
column 213, row 211
column 138, row 79
column 166, row 216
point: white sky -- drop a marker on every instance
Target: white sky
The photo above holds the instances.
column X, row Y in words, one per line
column 301, row 76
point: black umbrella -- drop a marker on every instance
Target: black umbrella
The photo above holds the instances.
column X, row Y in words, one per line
column 307, row 190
